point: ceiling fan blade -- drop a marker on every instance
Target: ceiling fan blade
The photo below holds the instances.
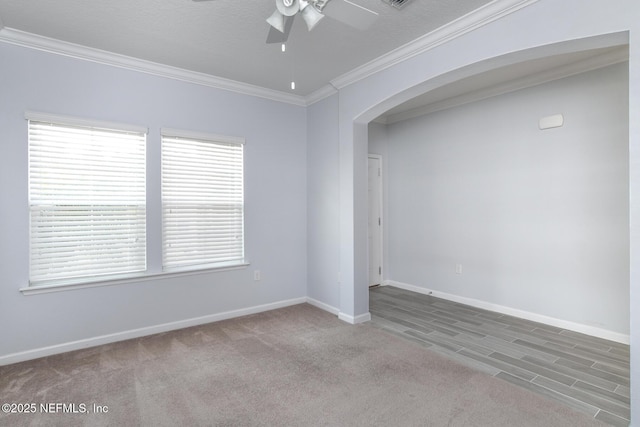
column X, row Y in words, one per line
column 276, row 36
column 350, row 13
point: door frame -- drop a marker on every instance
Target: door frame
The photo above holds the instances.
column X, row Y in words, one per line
column 380, row 237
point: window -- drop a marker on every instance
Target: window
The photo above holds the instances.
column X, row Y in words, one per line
column 202, row 201
column 87, row 198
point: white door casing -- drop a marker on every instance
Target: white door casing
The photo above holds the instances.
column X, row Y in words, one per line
column 375, row 219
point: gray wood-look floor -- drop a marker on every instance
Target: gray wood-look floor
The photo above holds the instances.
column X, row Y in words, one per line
column 589, row 374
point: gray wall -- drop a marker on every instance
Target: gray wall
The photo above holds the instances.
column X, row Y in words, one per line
column 539, row 220
column 323, row 203
column 276, row 197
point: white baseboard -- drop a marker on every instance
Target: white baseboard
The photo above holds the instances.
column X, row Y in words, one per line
column 137, row 333
column 354, row 320
column 558, row 323
column 326, row 307
column 150, row 330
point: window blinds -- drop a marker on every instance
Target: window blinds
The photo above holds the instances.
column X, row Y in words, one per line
column 202, row 201
column 87, row 196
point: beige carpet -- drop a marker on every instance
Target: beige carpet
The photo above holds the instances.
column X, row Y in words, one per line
column 296, row 366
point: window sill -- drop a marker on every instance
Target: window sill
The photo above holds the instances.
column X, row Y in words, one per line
column 60, row 287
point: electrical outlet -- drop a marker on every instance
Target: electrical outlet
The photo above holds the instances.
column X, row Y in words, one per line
column 256, row 275
column 458, row 268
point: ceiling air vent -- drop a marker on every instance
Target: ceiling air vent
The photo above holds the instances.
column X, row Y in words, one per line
column 398, row 4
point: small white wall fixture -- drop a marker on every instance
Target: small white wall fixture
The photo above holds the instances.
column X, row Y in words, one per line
column 550, row 122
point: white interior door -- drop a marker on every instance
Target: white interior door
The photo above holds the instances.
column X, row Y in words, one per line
column 375, row 220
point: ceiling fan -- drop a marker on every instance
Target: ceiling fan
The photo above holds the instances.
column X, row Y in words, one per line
column 312, row 11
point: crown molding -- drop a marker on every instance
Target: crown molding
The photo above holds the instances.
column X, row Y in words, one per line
column 604, row 60
column 469, row 22
column 320, row 94
column 480, row 17
column 46, row 44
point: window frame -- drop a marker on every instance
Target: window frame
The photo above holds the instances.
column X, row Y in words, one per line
column 153, row 217
column 201, row 137
column 35, row 282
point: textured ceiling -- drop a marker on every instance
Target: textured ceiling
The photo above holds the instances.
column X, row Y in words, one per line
column 226, row 38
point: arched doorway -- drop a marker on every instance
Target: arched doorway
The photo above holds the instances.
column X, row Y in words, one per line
column 353, row 157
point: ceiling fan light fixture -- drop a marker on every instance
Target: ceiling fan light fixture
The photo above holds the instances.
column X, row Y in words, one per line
column 276, row 20
column 288, row 7
column 311, row 16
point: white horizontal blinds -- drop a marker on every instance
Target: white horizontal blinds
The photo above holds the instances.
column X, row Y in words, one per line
column 87, row 195
column 202, row 202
